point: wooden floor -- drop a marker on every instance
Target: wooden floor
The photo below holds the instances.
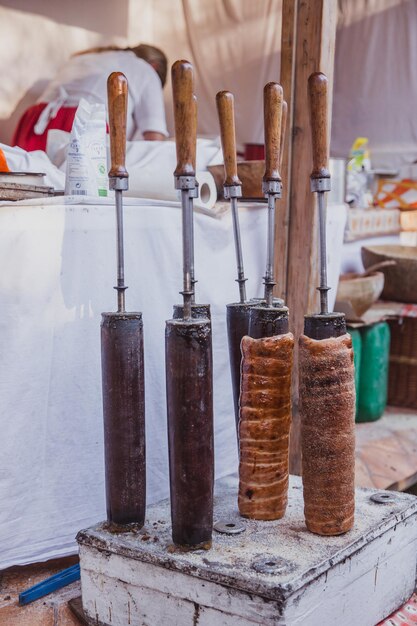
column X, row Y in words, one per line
column 51, row 610
column 386, row 451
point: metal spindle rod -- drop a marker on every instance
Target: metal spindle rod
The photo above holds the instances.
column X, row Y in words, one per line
column 271, row 182
column 192, row 269
column 269, row 274
column 238, row 248
column 324, row 308
column 120, row 254
column 187, row 246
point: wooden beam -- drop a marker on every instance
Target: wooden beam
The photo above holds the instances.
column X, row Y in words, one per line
column 288, row 40
column 311, row 27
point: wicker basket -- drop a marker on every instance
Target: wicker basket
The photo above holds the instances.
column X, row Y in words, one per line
column 249, row 172
column 402, row 381
column 400, row 278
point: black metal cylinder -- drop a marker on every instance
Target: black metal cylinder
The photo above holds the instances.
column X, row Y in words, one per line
column 197, row 311
column 324, row 326
column 267, row 321
column 124, row 417
column 189, row 380
column 237, row 317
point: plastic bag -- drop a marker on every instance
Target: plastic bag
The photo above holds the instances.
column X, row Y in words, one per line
column 359, row 178
column 86, row 172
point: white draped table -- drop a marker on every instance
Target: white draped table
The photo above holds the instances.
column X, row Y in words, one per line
column 58, row 268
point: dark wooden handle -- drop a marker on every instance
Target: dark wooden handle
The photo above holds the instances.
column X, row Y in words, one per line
column 273, row 98
column 283, row 133
column 225, row 110
column 185, row 113
column 317, row 91
column 117, row 104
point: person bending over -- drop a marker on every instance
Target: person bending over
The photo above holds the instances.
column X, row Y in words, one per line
column 85, row 76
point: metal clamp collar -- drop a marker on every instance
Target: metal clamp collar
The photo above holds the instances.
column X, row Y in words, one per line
column 232, row 191
column 272, row 188
column 187, row 183
column 320, row 184
column 118, row 183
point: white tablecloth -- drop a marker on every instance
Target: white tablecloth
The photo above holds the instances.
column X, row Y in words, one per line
column 57, row 275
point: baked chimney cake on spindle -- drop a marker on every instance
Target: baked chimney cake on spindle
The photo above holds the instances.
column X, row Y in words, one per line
column 267, row 356
column 326, row 371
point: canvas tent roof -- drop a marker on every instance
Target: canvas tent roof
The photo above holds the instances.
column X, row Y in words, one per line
column 235, row 45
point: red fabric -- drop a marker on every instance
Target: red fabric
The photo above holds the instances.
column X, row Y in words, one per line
column 254, row 151
column 24, row 135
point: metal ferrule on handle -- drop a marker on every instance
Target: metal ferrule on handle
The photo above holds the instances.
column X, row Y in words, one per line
column 320, row 185
column 272, row 188
column 187, row 183
column 232, row 191
column 118, row 184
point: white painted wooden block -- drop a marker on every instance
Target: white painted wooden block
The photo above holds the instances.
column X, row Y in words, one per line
column 133, row 579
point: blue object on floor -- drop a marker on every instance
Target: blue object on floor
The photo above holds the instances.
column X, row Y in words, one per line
column 57, row 581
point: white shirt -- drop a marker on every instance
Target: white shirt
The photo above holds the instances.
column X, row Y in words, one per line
column 85, row 76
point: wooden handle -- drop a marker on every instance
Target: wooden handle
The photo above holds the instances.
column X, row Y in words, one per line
column 185, row 114
column 117, row 104
column 273, row 97
column 317, row 91
column 225, row 110
column 283, row 133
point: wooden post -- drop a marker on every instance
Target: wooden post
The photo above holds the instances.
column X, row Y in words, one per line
column 308, row 40
column 288, row 31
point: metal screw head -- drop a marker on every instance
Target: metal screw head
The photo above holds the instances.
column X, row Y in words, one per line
column 229, row 527
column 272, row 565
column 383, row 497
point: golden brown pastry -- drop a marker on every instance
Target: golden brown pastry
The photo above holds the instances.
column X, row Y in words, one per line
column 264, row 427
column 327, row 408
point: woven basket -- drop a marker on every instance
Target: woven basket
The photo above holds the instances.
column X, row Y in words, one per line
column 402, row 381
column 400, row 278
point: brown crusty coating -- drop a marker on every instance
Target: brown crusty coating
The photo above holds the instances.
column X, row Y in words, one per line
column 264, row 427
column 327, row 409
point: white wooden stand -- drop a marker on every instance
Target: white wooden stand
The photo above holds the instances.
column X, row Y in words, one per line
column 272, row 573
